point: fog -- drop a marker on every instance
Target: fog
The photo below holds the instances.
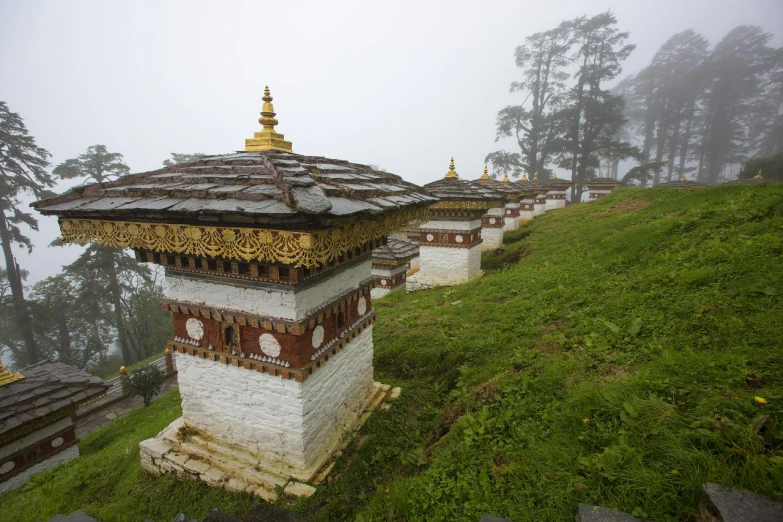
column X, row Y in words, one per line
column 403, row 85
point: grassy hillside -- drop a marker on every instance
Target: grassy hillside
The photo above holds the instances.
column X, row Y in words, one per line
column 622, row 353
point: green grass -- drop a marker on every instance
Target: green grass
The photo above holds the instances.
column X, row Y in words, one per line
column 610, row 355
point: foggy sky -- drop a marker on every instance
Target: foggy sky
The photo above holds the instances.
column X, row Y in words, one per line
column 401, row 85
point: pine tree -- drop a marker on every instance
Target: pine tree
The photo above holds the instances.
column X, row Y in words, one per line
column 105, row 264
column 177, row 159
column 537, row 124
column 22, row 171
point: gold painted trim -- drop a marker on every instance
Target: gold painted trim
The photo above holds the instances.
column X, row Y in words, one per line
column 272, row 246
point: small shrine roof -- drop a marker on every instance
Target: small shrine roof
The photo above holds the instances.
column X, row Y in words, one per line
column 506, row 187
column 244, row 188
column 453, row 188
column 555, row 183
column 758, row 178
column 681, row 183
column 603, row 182
column 46, row 388
column 396, row 250
column 531, row 186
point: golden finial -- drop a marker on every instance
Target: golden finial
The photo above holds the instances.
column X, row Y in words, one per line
column 758, row 176
column 452, row 174
column 505, row 177
column 486, row 173
column 682, row 176
column 524, row 176
column 267, row 138
column 535, row 176
column 7, row 377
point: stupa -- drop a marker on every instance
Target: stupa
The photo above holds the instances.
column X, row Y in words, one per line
column 556, row 192
column 390, row 264
column 540, row 201
column 268, row 267
column 527, row 201
column 755, row 180
column 681, row 182
column 601, row 187
column 450, row 242
column 512, row 194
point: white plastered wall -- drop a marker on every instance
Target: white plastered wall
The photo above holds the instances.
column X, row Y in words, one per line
column 553, row 204
column 492, row 238
column 390, row 272
column 448, row 266
column 292, row 427
column 539, row 208
column 281, row 301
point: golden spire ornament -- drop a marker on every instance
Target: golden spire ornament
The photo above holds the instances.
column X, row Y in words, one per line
column 452, row 174
column 682, row 176
column 267, row 138
column 535, row 176
column 486, row 173
column 505, row 177
column 7, row 377
column 524, row 175
column 758, row 175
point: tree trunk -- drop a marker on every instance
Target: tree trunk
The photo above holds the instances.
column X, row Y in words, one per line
column 117, row 305
column 17, row 291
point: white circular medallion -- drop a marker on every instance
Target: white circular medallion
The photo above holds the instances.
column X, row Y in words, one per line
column 362, row 305
column 508, row 212
column 56, row 443
column 430, row 237
column 269, row 345
column 491, row 221
column 383, row 282
column 459, row 238
column 8, row 466
column 318, row 336
column 195, row 329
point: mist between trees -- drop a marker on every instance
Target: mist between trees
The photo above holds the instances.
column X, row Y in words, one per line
column 693, row 111
column 103, row 298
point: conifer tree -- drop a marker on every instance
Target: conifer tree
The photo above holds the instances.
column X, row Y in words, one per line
column 107, row 265
column 22, row 171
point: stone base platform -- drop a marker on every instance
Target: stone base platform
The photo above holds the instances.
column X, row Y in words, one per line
column 187, row 452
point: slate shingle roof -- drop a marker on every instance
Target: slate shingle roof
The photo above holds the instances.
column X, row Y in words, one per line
column 531, row 187
column 271, row 188
column 681, row 184
column 395, row 250
column 750, row 181
column 510, row 190
column 458, row 189
column 602, row 183
column 47, row 387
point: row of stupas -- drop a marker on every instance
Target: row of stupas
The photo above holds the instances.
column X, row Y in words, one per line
column 270, row 276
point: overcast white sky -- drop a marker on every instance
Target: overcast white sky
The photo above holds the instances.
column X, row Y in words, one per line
column 402, row 85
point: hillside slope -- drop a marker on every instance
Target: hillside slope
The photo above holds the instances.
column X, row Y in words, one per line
column 617, row 363
column 624, row 352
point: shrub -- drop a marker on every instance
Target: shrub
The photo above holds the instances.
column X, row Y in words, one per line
column 146, row 382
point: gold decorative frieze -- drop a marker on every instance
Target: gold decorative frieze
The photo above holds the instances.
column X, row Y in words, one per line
column 265, row 245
